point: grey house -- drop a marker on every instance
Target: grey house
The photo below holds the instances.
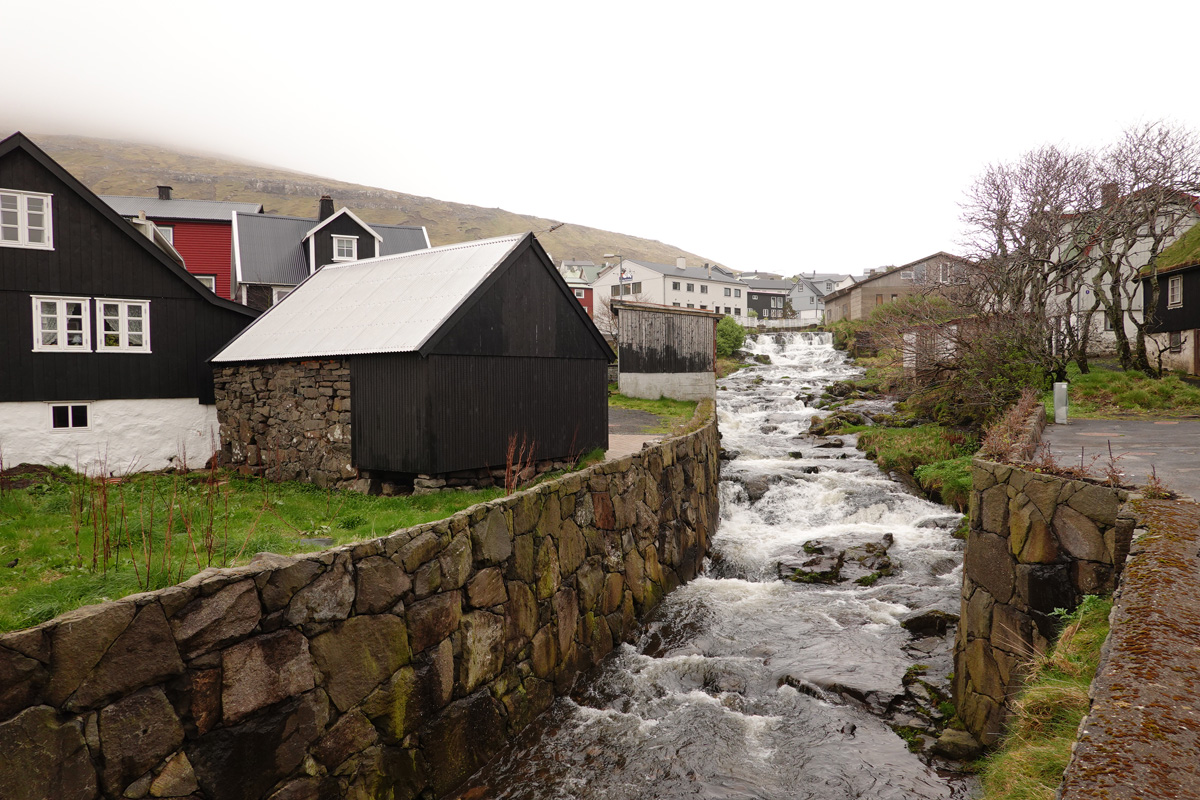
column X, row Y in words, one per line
column 272, row 253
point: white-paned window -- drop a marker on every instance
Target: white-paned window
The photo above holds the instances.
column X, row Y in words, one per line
column 737, row 292
column 124, row 325
column 675, row 286
column 728, row 291
column 62, row 324
column 209, row 281
column 345, row 248
column 168, row 233
column 278, row 294
column 1175, row 292
column 25, row 220
column 737, row 312
column 703, row 289
column 69, row 416
column 579, row 293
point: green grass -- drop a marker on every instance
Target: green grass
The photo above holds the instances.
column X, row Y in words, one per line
column 1106, row 392
column 671, row 413
column 54, row 572
column 1030, row 762
column 1184, row 250
column 907, row 449
column 951, row 479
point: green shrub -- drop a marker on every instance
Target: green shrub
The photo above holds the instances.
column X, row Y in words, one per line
column 730, row 337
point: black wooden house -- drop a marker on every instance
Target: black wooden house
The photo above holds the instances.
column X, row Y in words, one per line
column 104, row 335
column 1175, row 321
column 429, row 363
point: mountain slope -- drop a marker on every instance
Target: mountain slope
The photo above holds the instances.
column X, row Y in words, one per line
column 109, row 166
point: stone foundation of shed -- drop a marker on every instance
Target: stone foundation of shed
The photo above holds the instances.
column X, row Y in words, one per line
column 287, row 420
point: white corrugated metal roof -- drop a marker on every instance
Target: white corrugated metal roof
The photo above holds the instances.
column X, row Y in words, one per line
column 390, row 304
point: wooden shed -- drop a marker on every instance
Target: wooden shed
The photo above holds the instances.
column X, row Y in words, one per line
column 420, row 366
column 666, row 351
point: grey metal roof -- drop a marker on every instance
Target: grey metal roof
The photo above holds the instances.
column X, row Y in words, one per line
column 719, row 275
column 271, row 248
column 389, row 304
column 401, row 238
column 767, row 285
column 202, row 210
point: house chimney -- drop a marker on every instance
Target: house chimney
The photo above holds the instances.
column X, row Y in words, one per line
column 708, row 268
column 164, row 192
column 1108, row 194
column 324, row 208
column 680, row 262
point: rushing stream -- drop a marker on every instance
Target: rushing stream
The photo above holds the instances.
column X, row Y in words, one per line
column 745, row 685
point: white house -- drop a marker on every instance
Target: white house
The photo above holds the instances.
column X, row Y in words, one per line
column 707, row 288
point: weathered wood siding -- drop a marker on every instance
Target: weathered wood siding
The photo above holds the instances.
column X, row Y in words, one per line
column 663, row 341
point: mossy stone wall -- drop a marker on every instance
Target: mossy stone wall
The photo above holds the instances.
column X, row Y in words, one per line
column 389, row 669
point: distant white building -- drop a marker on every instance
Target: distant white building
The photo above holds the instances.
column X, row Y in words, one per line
column 707, row 288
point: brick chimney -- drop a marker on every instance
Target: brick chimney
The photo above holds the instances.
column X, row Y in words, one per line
column 1108, row 194
column 164, row 192
column 324, row 208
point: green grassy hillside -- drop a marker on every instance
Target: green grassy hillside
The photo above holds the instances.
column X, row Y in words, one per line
column 115, row 167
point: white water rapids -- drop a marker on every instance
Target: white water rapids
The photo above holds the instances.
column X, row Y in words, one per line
column 745, row 685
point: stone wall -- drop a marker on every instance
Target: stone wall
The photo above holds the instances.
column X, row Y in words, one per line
column 1037, row 543
column 290, row 419
column 385, row 669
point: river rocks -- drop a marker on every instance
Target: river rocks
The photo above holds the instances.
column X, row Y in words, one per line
column 822, row 563
column 929, row 622
column 823, row 426
column 957, row 745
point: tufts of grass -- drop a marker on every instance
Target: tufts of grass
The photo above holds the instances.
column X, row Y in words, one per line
column 1106, row 392
column 906, row 449
column 122, row 548
column 950, row 479
column 1046, row 715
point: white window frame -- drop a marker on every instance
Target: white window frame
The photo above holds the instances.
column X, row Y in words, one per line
column 22, row 220
column 280, row 292
column 168, row 232
column 70, row 415
column 208, row 282
column 353, row 240
column 704, row 288
column 1175, row 291
column 737, row 292
column 580, row 293
column 728, row 292
column 122, row 331
column 61, row 322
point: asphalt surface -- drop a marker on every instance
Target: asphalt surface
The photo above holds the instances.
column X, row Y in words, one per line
column 628, row 431
column 1170, row 447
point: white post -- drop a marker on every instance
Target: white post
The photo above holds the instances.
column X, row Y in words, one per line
column 1060, row 404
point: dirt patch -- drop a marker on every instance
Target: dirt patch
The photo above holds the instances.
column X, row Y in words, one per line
column 22, row 476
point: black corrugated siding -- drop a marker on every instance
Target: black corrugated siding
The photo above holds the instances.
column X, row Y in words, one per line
column 1187, row 316
column 448, row 413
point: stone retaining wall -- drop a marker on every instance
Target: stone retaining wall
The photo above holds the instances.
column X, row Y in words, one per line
column 383, row 669
column 290, row 419
column 1037, row 543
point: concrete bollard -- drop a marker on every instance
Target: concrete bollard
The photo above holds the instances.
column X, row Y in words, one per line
column 1060, row 404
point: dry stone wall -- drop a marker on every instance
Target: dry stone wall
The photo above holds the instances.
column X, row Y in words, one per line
column 1037, row 543
column 289, row 419
column 388, row 669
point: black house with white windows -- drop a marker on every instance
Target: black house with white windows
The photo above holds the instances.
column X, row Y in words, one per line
column 103, row 334
column 273, row 253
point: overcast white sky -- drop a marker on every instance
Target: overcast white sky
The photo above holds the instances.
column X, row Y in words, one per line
column 774, row 136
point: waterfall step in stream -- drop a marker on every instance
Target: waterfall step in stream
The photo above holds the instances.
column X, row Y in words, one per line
column 746, row 685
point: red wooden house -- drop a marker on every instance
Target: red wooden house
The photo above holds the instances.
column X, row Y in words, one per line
column 201, row 230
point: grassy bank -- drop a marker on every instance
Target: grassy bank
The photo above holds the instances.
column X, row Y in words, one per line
column 1106, row 392
column 72, row 541
column 1030, row 762
column 938, row 458
column 671, row 413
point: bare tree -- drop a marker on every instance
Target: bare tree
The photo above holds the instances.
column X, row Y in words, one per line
column 1025, row 240
column 1151, row 177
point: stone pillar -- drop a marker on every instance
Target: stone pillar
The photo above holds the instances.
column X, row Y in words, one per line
column 1037, row 543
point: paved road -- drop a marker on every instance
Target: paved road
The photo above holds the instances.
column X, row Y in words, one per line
column 627, row 431
column 1171, row 447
